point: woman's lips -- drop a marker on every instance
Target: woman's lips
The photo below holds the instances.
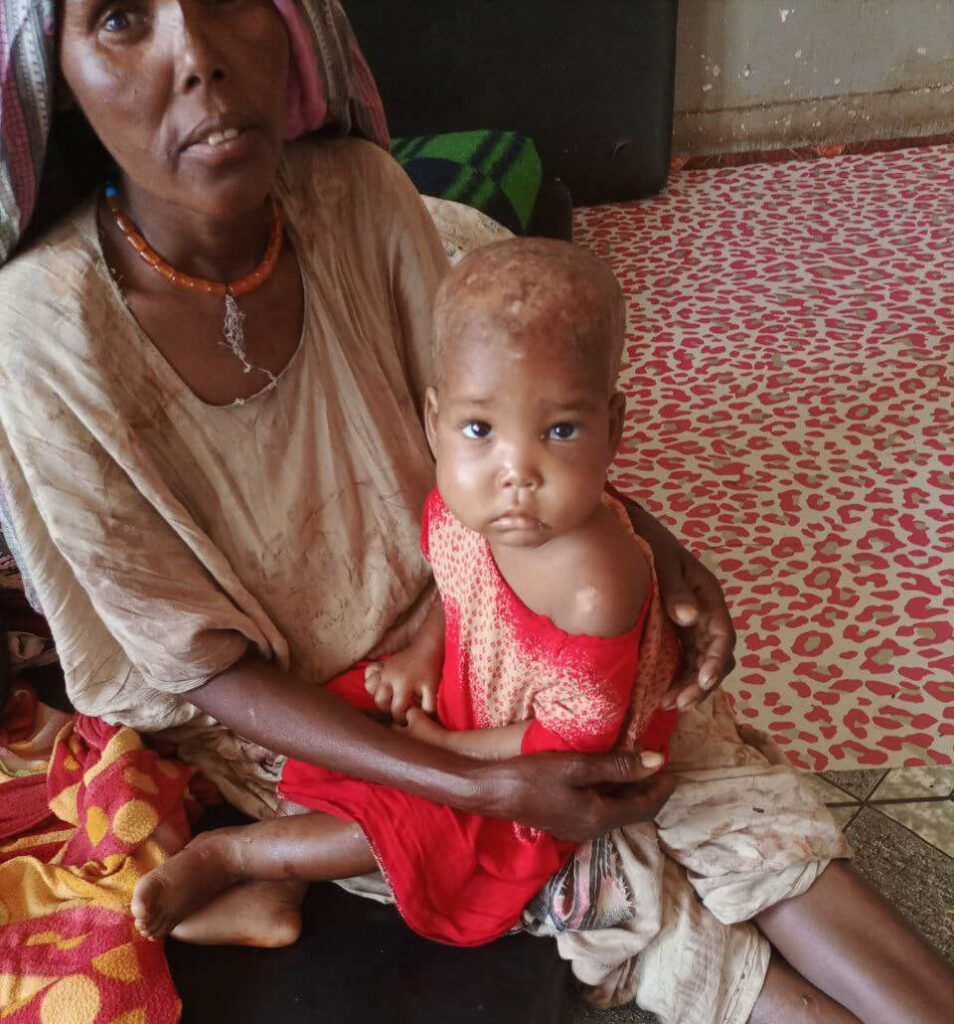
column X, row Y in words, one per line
column 221, row 145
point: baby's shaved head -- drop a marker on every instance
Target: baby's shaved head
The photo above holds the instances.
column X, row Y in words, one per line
column 540, row 293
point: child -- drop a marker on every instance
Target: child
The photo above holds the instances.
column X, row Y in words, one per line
column 546, row 636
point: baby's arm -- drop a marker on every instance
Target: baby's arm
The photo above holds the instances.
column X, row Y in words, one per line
column 411, row 676
column 484, row 744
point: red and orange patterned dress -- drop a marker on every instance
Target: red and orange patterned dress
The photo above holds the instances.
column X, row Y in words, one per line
column 461, row 878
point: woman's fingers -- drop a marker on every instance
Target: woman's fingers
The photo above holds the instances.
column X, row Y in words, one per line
column 618, row 768
column 651, row 759
column 717, row 661
column 577, row 796
column 618, row 806
column 716, row 645
column 707, row 643
column 675, row 590
column 708, row 659
column 638, row 801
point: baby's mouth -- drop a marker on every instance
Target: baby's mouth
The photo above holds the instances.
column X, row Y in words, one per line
column 516, row 519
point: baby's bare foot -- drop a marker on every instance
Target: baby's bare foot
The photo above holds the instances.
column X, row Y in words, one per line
column 186, row 883
column 262, row 914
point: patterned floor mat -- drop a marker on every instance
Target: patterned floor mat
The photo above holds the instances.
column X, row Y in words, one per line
column 791, row 414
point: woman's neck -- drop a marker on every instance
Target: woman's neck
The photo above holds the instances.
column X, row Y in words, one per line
column 214, row 248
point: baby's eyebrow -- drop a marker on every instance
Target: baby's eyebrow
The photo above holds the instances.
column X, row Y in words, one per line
column 470, row 400
column 574, row 405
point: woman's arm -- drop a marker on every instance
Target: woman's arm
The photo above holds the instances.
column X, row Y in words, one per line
column 575, row 796
column 694, row 601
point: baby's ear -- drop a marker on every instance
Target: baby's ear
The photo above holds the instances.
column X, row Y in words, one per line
column 430, row 419
column 617, row 416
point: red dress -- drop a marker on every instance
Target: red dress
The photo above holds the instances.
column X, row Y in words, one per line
column 461, row 878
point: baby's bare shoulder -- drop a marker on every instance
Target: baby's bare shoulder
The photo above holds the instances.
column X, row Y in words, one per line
column 605, row 579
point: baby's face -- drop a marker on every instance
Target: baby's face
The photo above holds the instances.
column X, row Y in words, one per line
column 523, row 436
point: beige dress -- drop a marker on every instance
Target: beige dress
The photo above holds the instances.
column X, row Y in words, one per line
column 164, row 535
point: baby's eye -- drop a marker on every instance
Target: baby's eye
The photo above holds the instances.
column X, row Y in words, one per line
column 476, row 429
column 563, row 432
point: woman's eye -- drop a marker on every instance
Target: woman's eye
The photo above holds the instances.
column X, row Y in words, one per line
column 117, row 19
column 476, row 429
column 563, row 431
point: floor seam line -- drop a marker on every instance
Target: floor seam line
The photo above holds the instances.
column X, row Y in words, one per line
column 916, row 835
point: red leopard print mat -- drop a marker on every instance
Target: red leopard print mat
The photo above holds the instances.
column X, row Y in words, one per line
column 791, row 415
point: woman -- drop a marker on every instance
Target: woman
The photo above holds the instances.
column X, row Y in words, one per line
column 217, row 491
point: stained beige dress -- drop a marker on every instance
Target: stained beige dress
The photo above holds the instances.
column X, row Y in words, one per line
column 165, row 536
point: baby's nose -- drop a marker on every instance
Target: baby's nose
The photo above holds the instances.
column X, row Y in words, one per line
column 520, row 471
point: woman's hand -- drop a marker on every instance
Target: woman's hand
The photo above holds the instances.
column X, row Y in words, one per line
column 575, row 796
column 694, row 601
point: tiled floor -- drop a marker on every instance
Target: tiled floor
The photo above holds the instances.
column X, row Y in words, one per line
column 901, row 825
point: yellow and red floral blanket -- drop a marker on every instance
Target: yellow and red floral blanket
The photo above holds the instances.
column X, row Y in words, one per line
column 85, row 810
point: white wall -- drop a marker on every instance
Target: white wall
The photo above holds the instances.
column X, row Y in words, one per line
column 760, row 74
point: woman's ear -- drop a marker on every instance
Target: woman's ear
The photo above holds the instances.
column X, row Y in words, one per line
column 430, row 419
column 617, row 416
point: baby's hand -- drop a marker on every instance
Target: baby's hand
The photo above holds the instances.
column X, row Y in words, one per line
column 404, row 681
column 425, row 729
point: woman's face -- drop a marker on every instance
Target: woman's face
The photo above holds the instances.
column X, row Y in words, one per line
column 188, row 96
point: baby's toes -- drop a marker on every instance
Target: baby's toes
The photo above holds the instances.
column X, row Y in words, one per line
column 372, row 677
column 400, row 706
column 383, row 696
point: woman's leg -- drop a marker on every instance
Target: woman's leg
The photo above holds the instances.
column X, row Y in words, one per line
column 787, row 998
column 849, row 942
column 197, row 895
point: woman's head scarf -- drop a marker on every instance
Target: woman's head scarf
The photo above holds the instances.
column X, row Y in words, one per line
column 330, row 86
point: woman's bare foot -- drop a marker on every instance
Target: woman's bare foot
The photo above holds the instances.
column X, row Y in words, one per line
column 187, row 882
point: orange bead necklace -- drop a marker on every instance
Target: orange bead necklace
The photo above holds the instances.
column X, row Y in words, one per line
column 232, row 327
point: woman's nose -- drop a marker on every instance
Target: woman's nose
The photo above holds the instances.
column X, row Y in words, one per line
column 199, row 58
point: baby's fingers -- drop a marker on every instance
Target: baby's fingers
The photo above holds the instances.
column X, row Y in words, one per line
column 429, row 698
